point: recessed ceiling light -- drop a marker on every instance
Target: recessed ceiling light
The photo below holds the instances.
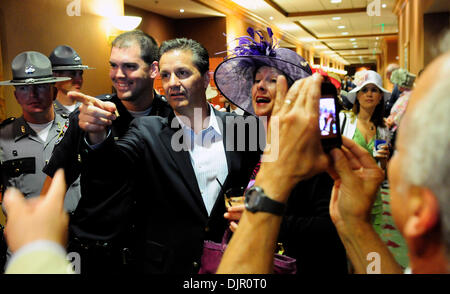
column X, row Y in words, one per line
column 377, row 38
column 345, row 33
column 341, row 27
column 336, row 1
column 336, row 18
column 355, row 46
column 352, row 39
column 271, row 18
column 181, row 10
column 383, row 5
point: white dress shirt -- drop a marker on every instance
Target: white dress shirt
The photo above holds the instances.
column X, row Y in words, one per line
column 208, row 159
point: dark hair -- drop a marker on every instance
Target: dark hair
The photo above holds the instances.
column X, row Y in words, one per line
column 148, row 45
column 200, row 54
column 378, row 114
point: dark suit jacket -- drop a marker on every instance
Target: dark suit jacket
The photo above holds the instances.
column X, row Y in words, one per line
column 93, row 220
column 171, row 219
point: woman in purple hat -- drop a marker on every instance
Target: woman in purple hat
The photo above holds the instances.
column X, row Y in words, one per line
column 248, row 79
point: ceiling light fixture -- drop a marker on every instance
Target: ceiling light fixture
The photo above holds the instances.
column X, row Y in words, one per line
column 271, row 18
column 352, row 39
column 336, row 1
column 182, row 10
column 345, row 33
column 336, row 18
column 126, row 23
column 341, row 27
column 383, row 5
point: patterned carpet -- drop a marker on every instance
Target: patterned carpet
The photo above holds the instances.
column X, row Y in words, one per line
column 390, row 234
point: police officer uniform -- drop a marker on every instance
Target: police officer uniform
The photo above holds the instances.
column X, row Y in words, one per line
column 105, row 243
column 23, row 154
column 61, row 110
column 64, row 57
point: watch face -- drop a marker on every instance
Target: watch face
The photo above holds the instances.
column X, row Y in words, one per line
column 252, row 200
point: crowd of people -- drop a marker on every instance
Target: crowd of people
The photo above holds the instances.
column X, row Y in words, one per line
column 136, row 181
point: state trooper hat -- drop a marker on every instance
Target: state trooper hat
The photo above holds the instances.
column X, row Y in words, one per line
column 31, row 67
column 64, row 57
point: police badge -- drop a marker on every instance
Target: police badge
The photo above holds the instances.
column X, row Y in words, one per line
column 29, row 69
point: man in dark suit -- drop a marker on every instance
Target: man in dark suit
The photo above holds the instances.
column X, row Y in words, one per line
column 183, row 161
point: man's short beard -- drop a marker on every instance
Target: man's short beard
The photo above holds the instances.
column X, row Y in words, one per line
column 131, row 98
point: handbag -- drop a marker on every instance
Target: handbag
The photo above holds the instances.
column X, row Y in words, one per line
column 212, row 255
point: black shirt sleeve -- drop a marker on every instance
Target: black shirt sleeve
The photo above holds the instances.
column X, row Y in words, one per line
column 66, row 153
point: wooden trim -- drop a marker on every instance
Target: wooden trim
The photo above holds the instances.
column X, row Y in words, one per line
column 352, row 49
column 208, row 6
column 277, row 7
column 347, row 55
column 306, row 29
column 326, row 12
column 358, row 36
column 228, row 7
column 398, row 7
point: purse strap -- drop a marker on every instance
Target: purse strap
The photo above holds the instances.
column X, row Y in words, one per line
column 343, row 124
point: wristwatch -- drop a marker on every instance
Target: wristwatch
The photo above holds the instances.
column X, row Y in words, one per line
column 256, row 200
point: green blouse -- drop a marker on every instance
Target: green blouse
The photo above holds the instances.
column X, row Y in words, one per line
column 359, row 138
column 377, row 208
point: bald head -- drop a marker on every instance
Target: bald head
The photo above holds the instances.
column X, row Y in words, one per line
column 424, row 137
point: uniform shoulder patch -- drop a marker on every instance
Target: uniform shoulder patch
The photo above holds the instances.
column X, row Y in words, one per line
column 7, row 121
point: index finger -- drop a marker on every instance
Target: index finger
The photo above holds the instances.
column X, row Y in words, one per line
column 57, row 191
column 312, row 95
column 281, row 91
column 83, row 98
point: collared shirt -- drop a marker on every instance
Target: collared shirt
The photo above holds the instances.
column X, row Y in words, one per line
column 24, row 154
column 208, row 159
column 63, row 110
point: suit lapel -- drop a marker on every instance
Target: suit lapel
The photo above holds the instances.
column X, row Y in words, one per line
column 224, row 127
column 183, row 162
column 233, row 159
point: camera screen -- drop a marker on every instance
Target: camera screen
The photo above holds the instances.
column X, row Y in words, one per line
column 327, row 119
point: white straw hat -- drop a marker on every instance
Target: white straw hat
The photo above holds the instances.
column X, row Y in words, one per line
column 365, row 77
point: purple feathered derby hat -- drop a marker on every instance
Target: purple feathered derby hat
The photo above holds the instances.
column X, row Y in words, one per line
column 234, row 76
